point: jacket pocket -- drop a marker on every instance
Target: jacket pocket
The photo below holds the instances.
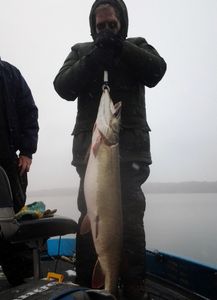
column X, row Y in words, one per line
column 134, row 141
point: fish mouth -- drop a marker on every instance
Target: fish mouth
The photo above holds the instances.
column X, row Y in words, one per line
column 109, row 128
column 117, row 110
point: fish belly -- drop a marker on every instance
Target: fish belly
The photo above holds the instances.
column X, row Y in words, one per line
column 103, row 199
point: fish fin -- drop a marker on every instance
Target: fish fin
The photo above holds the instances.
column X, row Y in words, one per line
column 96, row 145
column 85, row 225
column 98, row 278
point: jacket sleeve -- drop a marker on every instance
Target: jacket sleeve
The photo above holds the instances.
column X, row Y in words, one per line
column 148, row 66
column 27, row 113
column 74, row 75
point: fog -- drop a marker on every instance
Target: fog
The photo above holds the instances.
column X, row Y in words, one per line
column 36, row 37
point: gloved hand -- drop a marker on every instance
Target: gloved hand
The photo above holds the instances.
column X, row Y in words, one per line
column 107, row 39
column 100, row 57
column 49, row 213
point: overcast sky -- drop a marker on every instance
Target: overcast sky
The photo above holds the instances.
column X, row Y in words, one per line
column 36, row 36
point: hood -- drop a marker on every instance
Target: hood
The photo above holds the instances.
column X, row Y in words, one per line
column 120, row 5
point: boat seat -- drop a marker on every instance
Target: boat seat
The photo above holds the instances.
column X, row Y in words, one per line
column 31, row 232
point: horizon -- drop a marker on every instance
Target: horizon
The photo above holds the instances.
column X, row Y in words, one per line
column 144, row 186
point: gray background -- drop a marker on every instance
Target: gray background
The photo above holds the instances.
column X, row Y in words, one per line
column 36, row 36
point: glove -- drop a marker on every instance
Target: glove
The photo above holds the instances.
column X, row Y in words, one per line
column 49, row 213
column 100, row 57
column 107, row 39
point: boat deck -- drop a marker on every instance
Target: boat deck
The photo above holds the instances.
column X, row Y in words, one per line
column 161, row 290
column 42, row 289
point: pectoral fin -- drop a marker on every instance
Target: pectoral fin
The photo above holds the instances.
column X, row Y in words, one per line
column 98, row 278
column 85, row 225
column 96, row 145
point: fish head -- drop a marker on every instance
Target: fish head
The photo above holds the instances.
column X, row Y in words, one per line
column 108, row 119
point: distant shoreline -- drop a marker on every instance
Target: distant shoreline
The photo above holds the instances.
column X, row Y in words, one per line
column 181, row 187
column 148, row 187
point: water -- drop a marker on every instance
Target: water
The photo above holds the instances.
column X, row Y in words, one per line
column 180, row 224
column 183, row 224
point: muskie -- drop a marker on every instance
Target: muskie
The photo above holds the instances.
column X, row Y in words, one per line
column 103, row 194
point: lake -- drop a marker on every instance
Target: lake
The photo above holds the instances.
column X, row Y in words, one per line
column 180, row 224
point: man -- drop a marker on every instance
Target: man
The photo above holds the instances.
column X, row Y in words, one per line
column 132, row 64
column 18, row 141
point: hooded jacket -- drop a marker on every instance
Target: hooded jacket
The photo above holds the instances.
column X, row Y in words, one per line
column 21, row 111
column 138, row 65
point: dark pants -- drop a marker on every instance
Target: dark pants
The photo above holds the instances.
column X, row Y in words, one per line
column 18, row 183
column 133, row 175
column 15, row 259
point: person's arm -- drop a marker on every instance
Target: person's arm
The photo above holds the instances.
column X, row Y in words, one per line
column 73, row 76
column 148, row 66
column 27, row 119
column 81, row 68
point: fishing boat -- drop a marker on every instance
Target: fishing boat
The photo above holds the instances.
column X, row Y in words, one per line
column 168, row 277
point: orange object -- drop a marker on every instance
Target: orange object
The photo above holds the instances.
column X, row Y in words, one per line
column 56, row 276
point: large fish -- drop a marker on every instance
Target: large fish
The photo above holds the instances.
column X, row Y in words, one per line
column 103, row 194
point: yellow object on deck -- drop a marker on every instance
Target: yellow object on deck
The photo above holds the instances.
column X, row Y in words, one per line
column 56, row 276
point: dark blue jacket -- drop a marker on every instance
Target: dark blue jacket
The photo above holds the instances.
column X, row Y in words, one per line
column 21, row 111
